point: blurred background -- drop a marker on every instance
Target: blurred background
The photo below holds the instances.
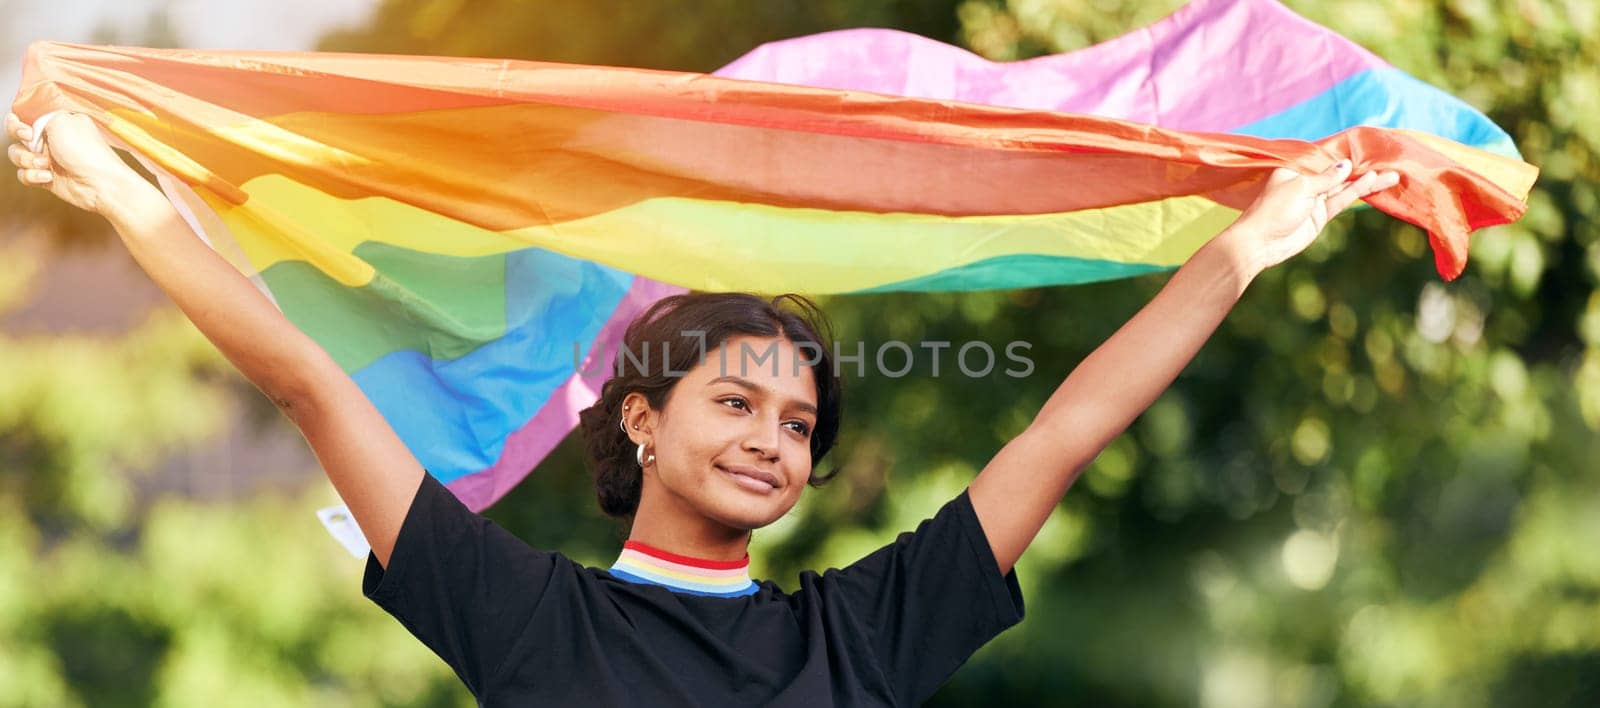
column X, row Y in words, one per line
column 1371, row 487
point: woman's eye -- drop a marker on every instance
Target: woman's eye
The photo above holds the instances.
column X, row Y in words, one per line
column 799, row 426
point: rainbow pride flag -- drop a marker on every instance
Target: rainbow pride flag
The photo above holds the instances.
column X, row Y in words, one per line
column 469, row 237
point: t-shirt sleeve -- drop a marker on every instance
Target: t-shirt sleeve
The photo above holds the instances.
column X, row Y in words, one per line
column 930, row 599
column 462, row 584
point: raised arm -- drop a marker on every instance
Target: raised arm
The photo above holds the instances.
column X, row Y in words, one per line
column 371, row 468
column 1016, row 491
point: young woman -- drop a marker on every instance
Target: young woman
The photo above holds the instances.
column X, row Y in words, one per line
column 695, row 455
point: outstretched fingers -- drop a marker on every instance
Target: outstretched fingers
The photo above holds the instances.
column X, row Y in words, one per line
column 35, row 177
column 14, row 126
column 1345, row 195
column 22, row 157
column 32, row 168
column 1326, row 181
column 17, row 130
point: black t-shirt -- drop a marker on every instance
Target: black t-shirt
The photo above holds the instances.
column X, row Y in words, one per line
column 527, row 627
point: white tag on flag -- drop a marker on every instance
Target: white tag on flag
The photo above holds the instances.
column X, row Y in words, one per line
column 343, row 526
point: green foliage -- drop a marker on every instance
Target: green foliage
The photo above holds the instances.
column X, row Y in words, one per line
column 1371, row 487
column 105, row 603
column 697, row 35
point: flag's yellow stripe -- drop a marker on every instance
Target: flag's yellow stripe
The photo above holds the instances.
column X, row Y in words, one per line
column 716, row 245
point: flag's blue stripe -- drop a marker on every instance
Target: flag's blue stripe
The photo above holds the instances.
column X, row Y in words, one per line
column 455, row 415
column 1387, row 98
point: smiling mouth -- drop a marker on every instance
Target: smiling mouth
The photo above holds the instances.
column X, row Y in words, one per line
column 748, row 482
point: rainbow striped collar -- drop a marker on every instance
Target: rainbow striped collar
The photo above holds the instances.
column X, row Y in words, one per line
column 641, row 563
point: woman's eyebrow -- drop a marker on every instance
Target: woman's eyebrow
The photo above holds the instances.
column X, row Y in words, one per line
column 758, row 388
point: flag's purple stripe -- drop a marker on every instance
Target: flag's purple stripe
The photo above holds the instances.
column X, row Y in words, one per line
column 1211, row 65
column 529, row 444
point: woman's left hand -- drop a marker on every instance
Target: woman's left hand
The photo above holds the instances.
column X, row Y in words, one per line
column 1294, row 207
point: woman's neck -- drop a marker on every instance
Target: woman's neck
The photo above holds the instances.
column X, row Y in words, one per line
column 667, row 522
column 706, row 541
column 674, row 546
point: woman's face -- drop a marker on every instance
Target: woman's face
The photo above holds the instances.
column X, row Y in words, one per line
column 747, row 411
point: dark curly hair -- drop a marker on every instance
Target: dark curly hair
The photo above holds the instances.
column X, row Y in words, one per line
column 671, row 326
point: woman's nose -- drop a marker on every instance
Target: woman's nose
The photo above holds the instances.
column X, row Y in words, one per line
column 762, row 437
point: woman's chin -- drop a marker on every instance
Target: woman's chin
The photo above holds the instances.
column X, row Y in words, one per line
column 737, row 510
column 746, row 517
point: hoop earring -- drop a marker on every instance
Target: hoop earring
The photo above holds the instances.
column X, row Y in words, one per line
column 638, row 456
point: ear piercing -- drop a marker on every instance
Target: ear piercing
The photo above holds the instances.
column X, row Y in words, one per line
column 624, row 422
column 638, row 453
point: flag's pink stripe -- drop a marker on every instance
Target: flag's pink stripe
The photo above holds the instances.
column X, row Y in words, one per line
column 528, row 445
column 1213, row 65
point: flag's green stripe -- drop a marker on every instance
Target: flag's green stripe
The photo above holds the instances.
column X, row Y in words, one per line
column 440, row 306
column 1019, row 271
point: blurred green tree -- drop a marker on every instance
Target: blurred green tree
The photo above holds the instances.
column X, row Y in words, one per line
column 682, row 35
column 110, row 598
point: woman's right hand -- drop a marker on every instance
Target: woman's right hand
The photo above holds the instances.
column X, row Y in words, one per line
column 75, row 164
